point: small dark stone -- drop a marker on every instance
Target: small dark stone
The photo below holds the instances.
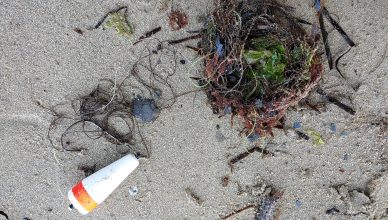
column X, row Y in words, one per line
column 228, row 109
column 332, row 211
column 272, row 113
column 253, row 137
column 297, row 125
column 225, row 181
column 259, row 103
column 298, row 203
column 218, row 127
column 333, row 127
column 79, row 31
column 144, row 109
column 182, row 61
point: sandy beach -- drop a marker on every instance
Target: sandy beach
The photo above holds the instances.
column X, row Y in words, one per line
column 45, row 62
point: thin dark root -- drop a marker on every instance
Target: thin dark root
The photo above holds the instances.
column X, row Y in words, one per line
column 337, row 61
column 250, row 206
column 101, row 21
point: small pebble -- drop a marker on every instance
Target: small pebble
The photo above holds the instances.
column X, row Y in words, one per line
column 259, row 103
column 346, row 157
column 133, row 190
column 344, row 134
column 228, row 109
column 273, row 113
column 182, row 61
column 220, row 137
column 333, row 127
column 297, row 124
column 225, row 181
column 144, row 109
column 298, row 203
column 157, row 93
column 253, row 137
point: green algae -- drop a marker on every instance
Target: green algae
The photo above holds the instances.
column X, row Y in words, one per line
column 117, row 21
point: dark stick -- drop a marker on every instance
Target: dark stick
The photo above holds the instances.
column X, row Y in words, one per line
column 303, row 21
column 107, row 14
column 325, row 41
column 336, row 102
column 238, row 211
column 148, row 34
column 185, row 39
column 172, row 42
column 4, row 214
column 247, row 153
column 338, row 27
column 302, row 135
column 340, row 105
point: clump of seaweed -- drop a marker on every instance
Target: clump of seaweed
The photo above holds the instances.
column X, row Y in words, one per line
column 259, row 61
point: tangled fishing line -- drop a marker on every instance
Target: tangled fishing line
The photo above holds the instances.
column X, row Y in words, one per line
column 138, row 98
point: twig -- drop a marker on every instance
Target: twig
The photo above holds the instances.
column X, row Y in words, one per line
column 302, row 135
column 197, row 36
column 148, row 34
column 336, row 102
column 325, row 41
column 247, row 153
column 338, row 27
column 238, row 211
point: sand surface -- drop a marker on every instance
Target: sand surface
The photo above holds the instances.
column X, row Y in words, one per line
column 43, row 60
